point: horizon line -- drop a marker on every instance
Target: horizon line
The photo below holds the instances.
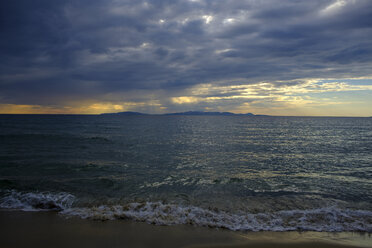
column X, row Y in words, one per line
column 162, row 114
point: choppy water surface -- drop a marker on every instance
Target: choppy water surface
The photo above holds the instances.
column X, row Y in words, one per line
column 237, row 172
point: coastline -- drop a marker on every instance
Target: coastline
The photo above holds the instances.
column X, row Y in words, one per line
column 49, row 229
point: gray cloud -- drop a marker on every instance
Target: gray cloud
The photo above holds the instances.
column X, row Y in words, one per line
column 53, row 52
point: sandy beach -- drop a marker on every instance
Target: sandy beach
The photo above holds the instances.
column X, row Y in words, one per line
column 49, row 229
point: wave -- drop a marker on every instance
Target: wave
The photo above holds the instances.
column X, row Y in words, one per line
column 53, row 137
column 36, row 201
column 330, row 219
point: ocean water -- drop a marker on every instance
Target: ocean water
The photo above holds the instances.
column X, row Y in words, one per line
column 235, row 172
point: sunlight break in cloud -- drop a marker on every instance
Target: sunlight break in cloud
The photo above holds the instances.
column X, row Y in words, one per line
column 334, row 7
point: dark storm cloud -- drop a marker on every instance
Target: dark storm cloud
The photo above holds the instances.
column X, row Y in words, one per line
column 57, row 51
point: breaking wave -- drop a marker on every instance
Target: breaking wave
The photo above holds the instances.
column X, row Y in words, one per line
column 331, row 219
column 36, row 201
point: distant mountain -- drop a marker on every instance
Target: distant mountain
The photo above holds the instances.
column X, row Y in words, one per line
column 200, row 113
column 208, row 113
column 127, row 113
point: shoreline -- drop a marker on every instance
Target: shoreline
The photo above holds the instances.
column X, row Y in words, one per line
column 49, row 229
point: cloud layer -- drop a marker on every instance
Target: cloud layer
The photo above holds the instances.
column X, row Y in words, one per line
column 164, row 56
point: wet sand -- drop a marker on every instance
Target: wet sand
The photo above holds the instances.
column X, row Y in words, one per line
column 49, row 229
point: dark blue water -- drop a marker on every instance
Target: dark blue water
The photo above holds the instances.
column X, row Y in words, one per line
column 242, row 173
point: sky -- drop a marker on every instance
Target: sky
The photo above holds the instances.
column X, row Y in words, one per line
column 287, row 57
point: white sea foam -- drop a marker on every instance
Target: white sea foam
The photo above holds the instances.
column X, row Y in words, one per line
column 330, row 219
column 36, row 201
column 323, row 219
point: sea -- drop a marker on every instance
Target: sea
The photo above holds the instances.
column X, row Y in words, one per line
column 242, row 173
